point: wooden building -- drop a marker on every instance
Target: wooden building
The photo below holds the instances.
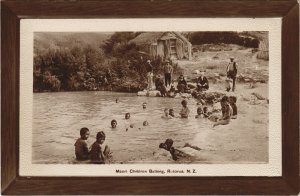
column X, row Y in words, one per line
column 167, row 45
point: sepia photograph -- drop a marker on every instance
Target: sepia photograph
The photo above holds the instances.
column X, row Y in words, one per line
column 150, row 97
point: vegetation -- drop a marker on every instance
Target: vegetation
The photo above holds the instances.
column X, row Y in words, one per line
column 115, row 65
column 198, row 38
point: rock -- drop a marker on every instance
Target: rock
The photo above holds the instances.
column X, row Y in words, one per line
column 196, row 71
column 258, row 96
column 151, row 93
column 217, row 75
column 216, row 107
column 142, row 93
column 186, row 95
column 191, row 85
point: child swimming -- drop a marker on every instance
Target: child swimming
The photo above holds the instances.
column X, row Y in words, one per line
column 171, row 112
column 113, row 123
column 81, row 148
column 166, row 114
column 144, row 105
column 127, row 116
column 226, row 112
column 184, row 113
column 128, row 123
column 199, row 112
column 97, row 154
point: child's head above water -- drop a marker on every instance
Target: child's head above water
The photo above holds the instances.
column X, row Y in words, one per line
column 199, row 110
column 171, row 112
column 145, row 123
column 184, row 103
column 144, row 105
column 84, row 133
column 127, row 115
column 100, row 137
column 113, row 123
column 166, row 111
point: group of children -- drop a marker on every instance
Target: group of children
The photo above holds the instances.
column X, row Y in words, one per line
column 96, row 153
column 100, row 155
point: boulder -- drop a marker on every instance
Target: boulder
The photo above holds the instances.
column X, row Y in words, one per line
column 258, row 96
column 196, row 71
column 151, row 93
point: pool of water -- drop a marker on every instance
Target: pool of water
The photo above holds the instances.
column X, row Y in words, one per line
column 58, row 118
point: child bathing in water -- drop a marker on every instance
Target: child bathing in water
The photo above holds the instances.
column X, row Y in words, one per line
column 184, row 113
column 226, row 112
column 81, row 148
column 97, row 154
column 128, row 124
column 113, row 124
column 166, row 114
column 171, row 112
column 199, row 112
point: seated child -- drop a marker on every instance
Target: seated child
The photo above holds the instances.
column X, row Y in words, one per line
column 184, row 113
column 113, row 124
column 199, row 112
column 226, row 112
column 171, row 112
column 232, row 102
column 81, row 148
column 166, row 115
column 97, row 154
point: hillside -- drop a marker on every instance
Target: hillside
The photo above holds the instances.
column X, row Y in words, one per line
column 57, row 39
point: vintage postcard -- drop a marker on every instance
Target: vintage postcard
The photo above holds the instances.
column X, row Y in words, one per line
column 150, row 97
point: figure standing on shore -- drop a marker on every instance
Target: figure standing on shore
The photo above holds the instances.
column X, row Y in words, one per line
column 232, row 71
column 168, row 73
column 149, row 68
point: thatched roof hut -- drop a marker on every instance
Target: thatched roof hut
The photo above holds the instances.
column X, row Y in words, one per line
column 167, row 45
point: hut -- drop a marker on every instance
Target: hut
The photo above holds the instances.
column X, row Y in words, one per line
column 167, row 45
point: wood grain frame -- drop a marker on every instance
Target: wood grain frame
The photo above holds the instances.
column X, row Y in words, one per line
column 13, row 11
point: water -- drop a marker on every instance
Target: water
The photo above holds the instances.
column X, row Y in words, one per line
column 58, row 117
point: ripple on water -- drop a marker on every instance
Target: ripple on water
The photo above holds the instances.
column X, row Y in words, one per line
column 58, row 117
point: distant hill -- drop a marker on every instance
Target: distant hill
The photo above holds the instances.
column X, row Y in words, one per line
column 61, row 39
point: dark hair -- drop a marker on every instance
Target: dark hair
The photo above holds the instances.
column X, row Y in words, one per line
column 83, row 130
column 199, row 108
column 127, row 113
column 224, row 99
column 184, row 102
column 171, row 109
column 100, row 134
column 233, row 98
column 113, row 121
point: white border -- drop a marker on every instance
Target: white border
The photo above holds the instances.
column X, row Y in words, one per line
column 29, row 26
